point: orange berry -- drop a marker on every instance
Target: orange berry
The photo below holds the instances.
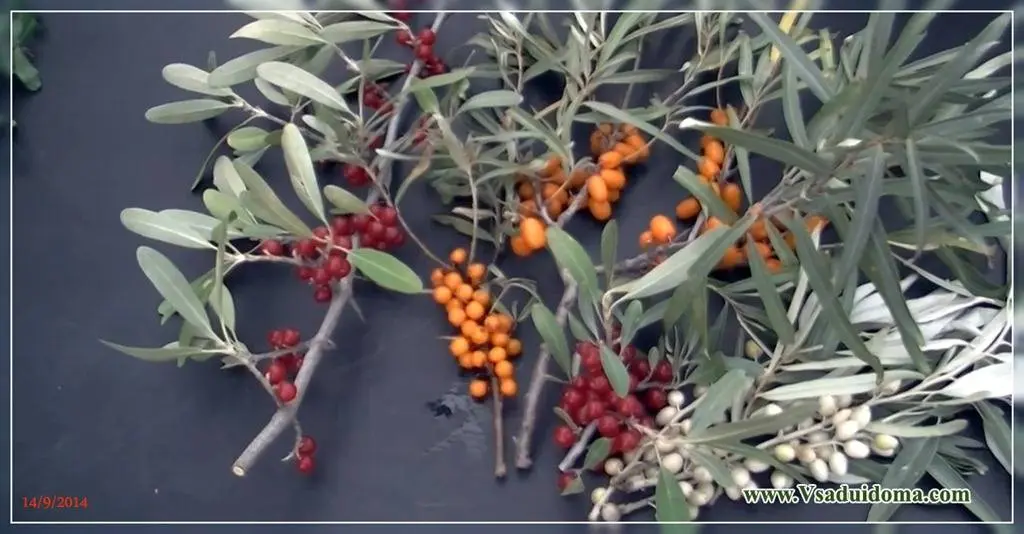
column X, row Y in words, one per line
column 629, row 129
column 478, row 359
column 458, row 346
column 514, row 348
column 733, row 257
column 453, row 304
column 437, row 277
column 527, row 208
column 715, row 152
column 504, row 323
column 479, row 337
column 456, row 317
column 732, row 195
column 646, row 239
column 508, row 387
column 715, row 188
column 442, row 295
column 597, row 189
column 526, row 191
column 708, row 169
column 464, row 292
column 468, row 328
column 614, row 195
column 605, row 128
column 662, row 229
column 483, row 297
column 558, row 178
column 553, row 165
column 688, row 208
column 532, row 232
column 452, row 280
column 714, row 222
column 578, row 178
column 458, row 256
column 475, row 310
column 519, row 247
column 773, row 265
column 554, row 207
column 549, row 190
column 476, row 272
column 601, row 211
column 614, row 179
column 624, row 150
column 492, row 323
column 496, row 354
column 478, row 389
column 758, row 230
column 504, row 369
column 706, row 139
column 610, row 160
column 719, row 117
column 763, row 249
column 466, row 361
column 499, row 339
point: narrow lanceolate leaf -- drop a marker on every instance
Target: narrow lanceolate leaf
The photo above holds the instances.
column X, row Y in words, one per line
column 492, row 99
column 163, row 228
column 774, row 308
column 777, row 149
column 278, row 32
column 343, row 201
column 630, row 322
column 186, row 111
column 912, row 431
column 386, row 270
column 672, row 272
column 711, row 202
column 718, row 398
column 615, row 370
column 609, row 249
column 354, row 30
column 191, row 78
column 248, row 138
column 620, row 116
column 795, row 56
column 261, row 200
column 173, row 286
column 949, row 478
column 669, row 501
column 552, row 335
column 301, row 171
column 791, row 110
column 997, row 434
column 819, row 280
column 243, row 68
column 570, row 255
column 869, row 194
column 597, row 452
column 920, row 193
column 220, row 298
column 156, row 355
column 905, row 471
column 740, row 430
column 294, row 79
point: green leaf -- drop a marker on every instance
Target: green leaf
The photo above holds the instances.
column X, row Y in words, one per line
column 220, row 298
column 911, row 431
column 243, row 68
column 532, row 124
column 615, row 370
column 354, row 30
column 843, row 385
column 920, row 192
column 617, row 115
column 194, row 79
column 870, row 194
column 163, row 228
column 426, row 99
column 669, row 501
column 278, row 32
column 552, row 335
column 155, row 355
column 745, row 68
column 791, row 110
column 247, row 139
column 343, row 201
column 709, row 201
column 776, row 149
column 226, row 178
column 774, row 308
column 571, row 256
column 796, row 56
column 818, row 279
column 301, row 171
column 261, row 200
column 597, row 453
column 492, row 99
column 386, row 270
column 718, row 398
column 629, row 322
column 609, row 249
column 636, row 76
column 948, row 478
column 905, row 471
column 441, row 80
column 221, row 205
column 173, row 286
column 737, row 431
column 997, row 434
column 187, row 111
column 464, row 227
column 301, row 82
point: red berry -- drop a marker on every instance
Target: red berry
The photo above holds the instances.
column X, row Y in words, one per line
column 323, row 294
column 564, row 437
column 608, row 426
column 626, row 441
column 427, row 37
column 655, row 399
column 387, row 216
column 307, row 248
column 304, row 273
column 628, row 354
column 647, row 421
column 295, row 364
column 630, row 406
column 600, row 385
column 360, row 222
column 587, row 347
column 565, row 479
column 275, row 338
column 376, row 142
column 419, row 137
column 404, row 38
column 307, row 446
column 403, row 16
column 338, row 267
column 580, row 384
column 375, row 229
column 367, row 240
column 424, row 52
column 591, row 362
column 321, row 233
column 640, row 369
column 634, row 383
column 343, row 242
column 342, row 226
column 380, row 244
column 393, row 236
column 595, row 396
column 321, row 276
column 591, row 411
column 305, row 464
column 290, row 337
column 276, row 373
column 286, row 391
column 572, row 400
column 272, row 247
column 387, row 108
column 662, row 372
column 436, row 68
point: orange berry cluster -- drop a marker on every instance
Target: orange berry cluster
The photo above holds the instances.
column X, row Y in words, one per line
column 660, row 231
column 614, row 147
column 483, row 344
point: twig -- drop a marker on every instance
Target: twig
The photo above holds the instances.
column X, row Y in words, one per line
column 500, row 470
column 537, row 381
column 578, row 448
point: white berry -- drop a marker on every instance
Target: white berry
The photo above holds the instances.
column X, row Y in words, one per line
column 613, row 466
column 784, row 453
column 598, row 494
column 826, row 405
column 856, row 449
column 886, row 442
column 676, row 399
column 838, row 463
column 665, row 445
column 862, row 415
column 733, row 493
column 842, row 416
column 781, row 480
column 819, row 470
column 701, row 474
column 772, row 409
column 665, row 416
column 673, row 463
column 847, row 430
column 752, row 350
column 694, row 512
column 740, row 476
column 610, row 513
column 755, row 466
column 806, row 454
column 686, row 425
column 844, row 401
column 686, row 488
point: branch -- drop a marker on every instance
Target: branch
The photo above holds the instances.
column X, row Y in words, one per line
column 537, row 381
column 500, row 470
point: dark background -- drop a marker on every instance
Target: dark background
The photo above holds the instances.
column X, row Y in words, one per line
column 149, row 442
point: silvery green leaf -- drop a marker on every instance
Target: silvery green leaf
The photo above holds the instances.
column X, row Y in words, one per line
column 992, row 381
column 846, row 385
column 163, row 228
column 492, row 99
column 301, row 171
column 191, row 78
column 175, row 288
column 718, row 398
column 278, row 32
column 247, row 138
column 158, row 354
column 355, row 30
column 271, row 93
column 905, row 471
column 243, row 68
column 187, row 111
column 793, row 54
column 301, row 82
column 914, row 431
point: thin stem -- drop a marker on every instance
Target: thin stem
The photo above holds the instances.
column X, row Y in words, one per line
column 578, row 448
column 500, row 469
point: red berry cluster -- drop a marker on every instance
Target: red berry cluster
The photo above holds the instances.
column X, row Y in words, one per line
column 422, row 45
column 283, row 369
column 422, row 130
column 589, row 398
column 304, row 455
column 375, row 96
column 357, row 175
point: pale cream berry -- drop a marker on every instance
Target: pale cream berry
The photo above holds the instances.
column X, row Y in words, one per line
column 842, row 416
column 755, row 466
column 819, row 470
column 862, row 415
column 733, row 493
column 637, row 482
column 707, row 489
column 772, row 409
column 686, row 425
column 673, row 463
column 886, row 442
column 610, row 513
column 686, row 488
column 699, row 391
column 826, row 405
column 740, row 476
column 856, row 449
column 698, row 498
column 784, row 453
column 613, row 466
column 665, row 416
column 651, row 472
column 844, row 401
column 891, row 387
column 837, row 463
column 650, row 455
column 701, row 474
column 676, row 399
column 598, row 494
column 665, row 445
column 805, row 424
column 817, row 437
column 752, row 349
column 884, row 453
column 751, row 485
column 806, row 454
column 781, row 480
column 847, row 430
column 694, row 512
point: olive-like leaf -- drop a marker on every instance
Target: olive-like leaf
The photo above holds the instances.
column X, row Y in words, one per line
column 173, row 286
column 187, row 111
column 553, row 335
column 769, row 293
column 672, row 272
column 354, row 30
column 709, row 200
column 609, row 249
column 165, row 228
column 718, row 398
column 278, row 32
column 260, row 199
column 492, row 99
column 630, row 321
column 248, row 138
column 736, row 431
column 997, row 434
column 571, row 256
column 597, row 453
column 615, row 370
column 795, row 56
column 386, row 270
column 949, row 478
column 669, row 501
column 301, row 82
column 243, row 68
column 191, row 78
column 226, row 178
column 905, row 471
column 620, row 116
column 343, row 201
column 157, row 354
column 301, row 171
column 776, row 149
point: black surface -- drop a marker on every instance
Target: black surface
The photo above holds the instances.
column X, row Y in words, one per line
column 154, row 443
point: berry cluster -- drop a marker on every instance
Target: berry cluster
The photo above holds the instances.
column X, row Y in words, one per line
column 282, row 369
column 483, row 344
column 357, row 175
column 589, row 398
column 304, row 455
column 422, row 45
column 324, row 256
column 614, row 147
